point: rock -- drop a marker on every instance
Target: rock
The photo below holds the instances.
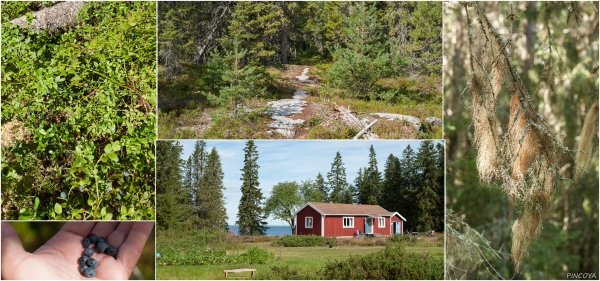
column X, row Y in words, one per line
column 285, row 107
column 433, row 121
column 411, row 119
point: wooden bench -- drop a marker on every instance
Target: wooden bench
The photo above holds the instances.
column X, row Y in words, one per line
column 227, row 271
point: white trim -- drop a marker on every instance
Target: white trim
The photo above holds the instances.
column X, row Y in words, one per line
column 344, row 222
column 379, row 219
column 307, row 205
column 323, row 225
column 396, row 213
column 306, row 222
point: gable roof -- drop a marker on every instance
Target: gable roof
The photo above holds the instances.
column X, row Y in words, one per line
column 347, row 209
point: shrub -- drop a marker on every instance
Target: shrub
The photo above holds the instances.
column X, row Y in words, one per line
column 88, row 95
column 304, row 241
column 390, row 264
column 285, row 272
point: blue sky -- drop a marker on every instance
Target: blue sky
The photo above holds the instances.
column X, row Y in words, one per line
column 290, row 160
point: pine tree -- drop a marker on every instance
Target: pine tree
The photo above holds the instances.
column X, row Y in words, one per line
column 372, row 179
column 322, row 186
column 171, row 207
column 210, row 199
column 363, row 61
column 251, row 216
column 242, row 80
column 337, row 179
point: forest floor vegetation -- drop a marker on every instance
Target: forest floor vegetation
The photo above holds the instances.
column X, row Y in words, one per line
column 185, row 113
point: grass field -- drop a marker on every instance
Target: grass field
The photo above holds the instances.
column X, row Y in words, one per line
column 308, row 259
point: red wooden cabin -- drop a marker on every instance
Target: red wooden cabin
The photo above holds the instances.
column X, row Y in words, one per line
column 346, row 220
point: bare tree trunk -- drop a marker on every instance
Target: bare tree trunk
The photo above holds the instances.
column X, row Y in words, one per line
column 52, row 18
column 284, row 35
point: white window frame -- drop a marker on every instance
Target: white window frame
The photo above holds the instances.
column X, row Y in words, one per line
column 306, row 225
column 381, row 222
column 350, row 222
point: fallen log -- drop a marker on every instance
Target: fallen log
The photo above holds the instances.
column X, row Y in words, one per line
column 353, row 121
column 52, row 18
column 365, row 129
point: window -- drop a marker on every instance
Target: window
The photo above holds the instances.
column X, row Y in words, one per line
column 348, row 222
column 308, row 222
column 381, row 222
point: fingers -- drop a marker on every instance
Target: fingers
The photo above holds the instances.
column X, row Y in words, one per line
column 120, row 234
column 79, row 228
column 131, row 250
column 12, row 250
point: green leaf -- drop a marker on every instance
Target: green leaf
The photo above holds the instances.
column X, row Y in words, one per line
column 103, row 211
column 36, row 203
column 57, row 208
column 113, row 156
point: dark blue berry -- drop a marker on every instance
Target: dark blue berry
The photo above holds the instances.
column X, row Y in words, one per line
column 89, row 272
column 100, row 48
column 93, row 238
column 112, row 251
column 101, row 239
column 92, row 262
column 126, row 174
column 47, row 92
column 82, row 267
column 78, row 55
column 63, row 195
column 86, row 242
column 102, row 246
column 68, row 211
column 83, row 259
column 89, row 252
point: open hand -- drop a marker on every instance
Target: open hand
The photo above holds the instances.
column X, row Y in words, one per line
column 58, row 258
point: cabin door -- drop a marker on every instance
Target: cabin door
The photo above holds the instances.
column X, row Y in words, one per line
column 369, row 226
column 397, row 225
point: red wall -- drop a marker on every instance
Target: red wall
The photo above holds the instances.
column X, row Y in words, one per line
column 334, row 226
column 397, row 218
column 308, row 212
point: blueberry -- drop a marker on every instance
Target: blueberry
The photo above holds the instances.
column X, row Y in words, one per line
column 102, row 246
column 89, row 272
column 81, row 187
column 89, row 251
column 78, row 55
column 63, row 195
column 92, row 262
column 83, row 259
column 68, row 211
column 100, row 48
column 86, row 242
column 101, row 239
column 131, row 34
column 47, row 92
column 112, row 251
column 126, row 174
column 82, row 267
column 93, row 238
column 108, row 189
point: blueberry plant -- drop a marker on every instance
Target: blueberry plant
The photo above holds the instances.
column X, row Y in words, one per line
column 86, row 96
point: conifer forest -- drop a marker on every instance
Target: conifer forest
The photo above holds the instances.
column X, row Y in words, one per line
column 521, row 117
column 303, row 70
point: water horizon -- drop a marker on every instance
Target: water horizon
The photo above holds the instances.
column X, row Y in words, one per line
column 273, row 230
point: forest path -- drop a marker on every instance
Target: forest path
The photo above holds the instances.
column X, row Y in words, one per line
column 290, row 111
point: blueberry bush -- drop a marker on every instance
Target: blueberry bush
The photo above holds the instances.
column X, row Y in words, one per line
column 78, row 114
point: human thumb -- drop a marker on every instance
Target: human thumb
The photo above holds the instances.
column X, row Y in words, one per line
column 12, row 249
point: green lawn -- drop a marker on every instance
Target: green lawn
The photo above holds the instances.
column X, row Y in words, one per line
column 308, row 259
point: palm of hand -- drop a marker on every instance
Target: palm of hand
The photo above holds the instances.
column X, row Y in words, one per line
column 58, row 258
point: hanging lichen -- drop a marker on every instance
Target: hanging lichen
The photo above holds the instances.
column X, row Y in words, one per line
column 521, row 154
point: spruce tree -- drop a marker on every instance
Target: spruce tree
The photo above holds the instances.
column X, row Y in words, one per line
column 210, row 199
column 391, row 196
column 337, row 180
column 408, row 183
column 322, row 186
column 171, row 207
column 251, row 216
column 426, row 194
column 372, row 179
column 360, row 187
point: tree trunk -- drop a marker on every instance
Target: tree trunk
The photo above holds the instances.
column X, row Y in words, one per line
column 52, row 18
column 284, row 35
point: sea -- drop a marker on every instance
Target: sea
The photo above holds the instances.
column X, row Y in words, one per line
column 273, row 230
